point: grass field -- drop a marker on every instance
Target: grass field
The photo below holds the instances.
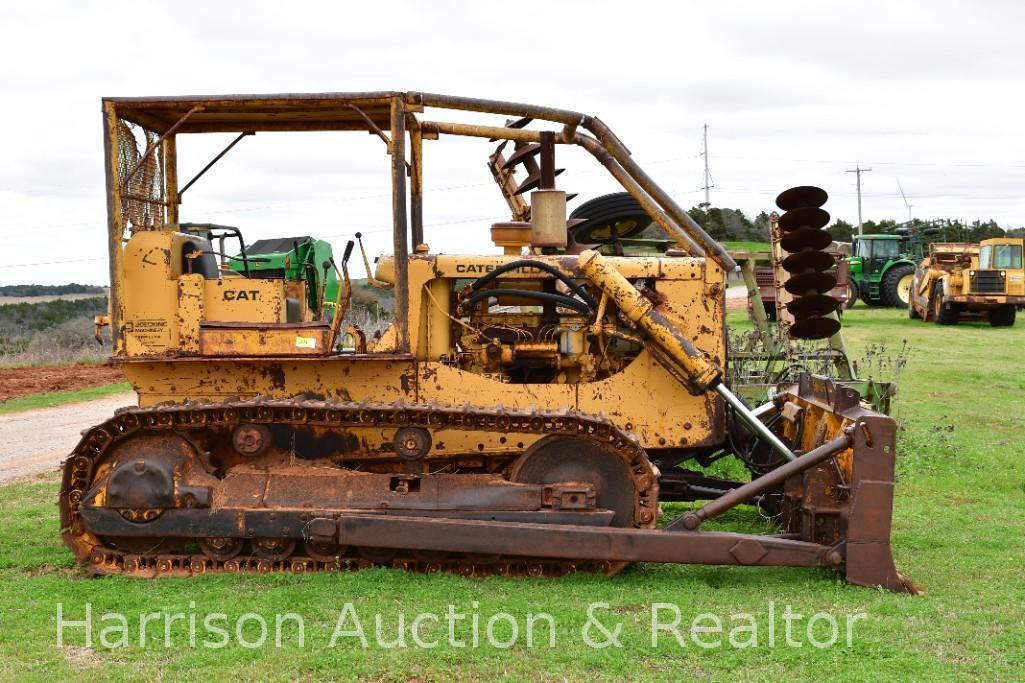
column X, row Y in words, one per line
column 958, row 532
column 748, row 246
column 58, row 398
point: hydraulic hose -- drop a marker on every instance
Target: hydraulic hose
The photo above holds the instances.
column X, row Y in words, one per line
column 560, row 299
column 540, row 265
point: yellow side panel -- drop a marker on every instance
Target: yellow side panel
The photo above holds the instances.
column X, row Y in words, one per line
column 239, row 299
column 190, row 312
column 643, row 399
column 646, row 400
column 339, row 377
column 254, row 341
column 150, row 298
column 697, row 308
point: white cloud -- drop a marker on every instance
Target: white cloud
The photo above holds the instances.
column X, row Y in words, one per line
column 793, row 92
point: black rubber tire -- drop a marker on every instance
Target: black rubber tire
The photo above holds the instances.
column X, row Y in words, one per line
column 912, row 313
column 852, row 294
column 1003, row 316
column 864, row 293
column 949, row 314
column 604, row 211
column 888, row 291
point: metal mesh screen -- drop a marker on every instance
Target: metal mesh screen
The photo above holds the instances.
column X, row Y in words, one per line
column 142, row 187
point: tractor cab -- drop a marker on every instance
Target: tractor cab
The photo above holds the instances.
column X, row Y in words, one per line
column 873, row 252
column 999, row 268
column 881, row 269
column 1000, row 254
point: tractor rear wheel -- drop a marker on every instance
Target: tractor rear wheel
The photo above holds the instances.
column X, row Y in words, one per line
column 944, row 314
column 1003, row 316
column 895, row 287
column 609, row 217
column 852, row 294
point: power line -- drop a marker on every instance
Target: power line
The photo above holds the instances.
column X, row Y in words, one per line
column 945, row 164
column 50, row 263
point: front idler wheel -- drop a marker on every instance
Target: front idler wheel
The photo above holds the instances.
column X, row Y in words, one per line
column 324, row 551
column 274, row 549
column 221, row 548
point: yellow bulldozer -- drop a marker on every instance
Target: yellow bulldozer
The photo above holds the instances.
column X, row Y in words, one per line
column 970, row 281
column 526, row 411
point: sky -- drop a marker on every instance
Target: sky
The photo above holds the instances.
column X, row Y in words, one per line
column 929, row 95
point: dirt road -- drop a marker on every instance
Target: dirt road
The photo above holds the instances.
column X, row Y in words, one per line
column 736, row 296
column 38, row 440
column 42, row 379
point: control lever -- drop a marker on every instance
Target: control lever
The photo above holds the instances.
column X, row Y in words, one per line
column 341, row 308
column 366, row 262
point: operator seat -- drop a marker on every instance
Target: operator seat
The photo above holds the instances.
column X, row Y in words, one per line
column 205, row 265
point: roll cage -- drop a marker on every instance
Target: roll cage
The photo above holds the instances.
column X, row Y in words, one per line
column 143, row 187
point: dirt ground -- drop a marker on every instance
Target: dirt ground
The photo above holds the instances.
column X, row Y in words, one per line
column 34, row 441
column 15, row 382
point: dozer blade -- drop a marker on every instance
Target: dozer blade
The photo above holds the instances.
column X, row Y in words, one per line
column 835, row 501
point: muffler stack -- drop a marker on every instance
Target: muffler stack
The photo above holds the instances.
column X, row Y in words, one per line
column 803, row 241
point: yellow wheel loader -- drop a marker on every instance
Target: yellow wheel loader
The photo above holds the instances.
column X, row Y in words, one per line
column 526, row 412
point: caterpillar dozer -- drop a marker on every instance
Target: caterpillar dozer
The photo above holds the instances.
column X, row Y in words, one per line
column 525, row 413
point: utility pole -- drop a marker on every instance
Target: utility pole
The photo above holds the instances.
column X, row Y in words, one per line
column 708, row 174
column 859, row 170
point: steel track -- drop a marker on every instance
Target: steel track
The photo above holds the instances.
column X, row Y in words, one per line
column 102, row 558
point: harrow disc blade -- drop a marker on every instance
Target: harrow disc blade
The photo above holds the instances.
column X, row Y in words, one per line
column 801, row 196
column 803, row 261
column 523, row 153
column 815, row 328
column 813, row 305
column 805, row 283
column 805, row 238
column 533, row 181
column 804, row 217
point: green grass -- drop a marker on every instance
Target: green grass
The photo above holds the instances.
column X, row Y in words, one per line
column 958, row 531
column 747, row 246
column 57, row 398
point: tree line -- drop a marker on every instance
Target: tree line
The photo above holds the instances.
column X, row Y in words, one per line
column 726, row 224
column 49, row 290
column 938, row 230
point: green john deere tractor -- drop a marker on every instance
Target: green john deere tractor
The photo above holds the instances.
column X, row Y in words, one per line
column 882, row 267
column 293, row 258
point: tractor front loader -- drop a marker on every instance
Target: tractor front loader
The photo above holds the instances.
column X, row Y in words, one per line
column 526, row 412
